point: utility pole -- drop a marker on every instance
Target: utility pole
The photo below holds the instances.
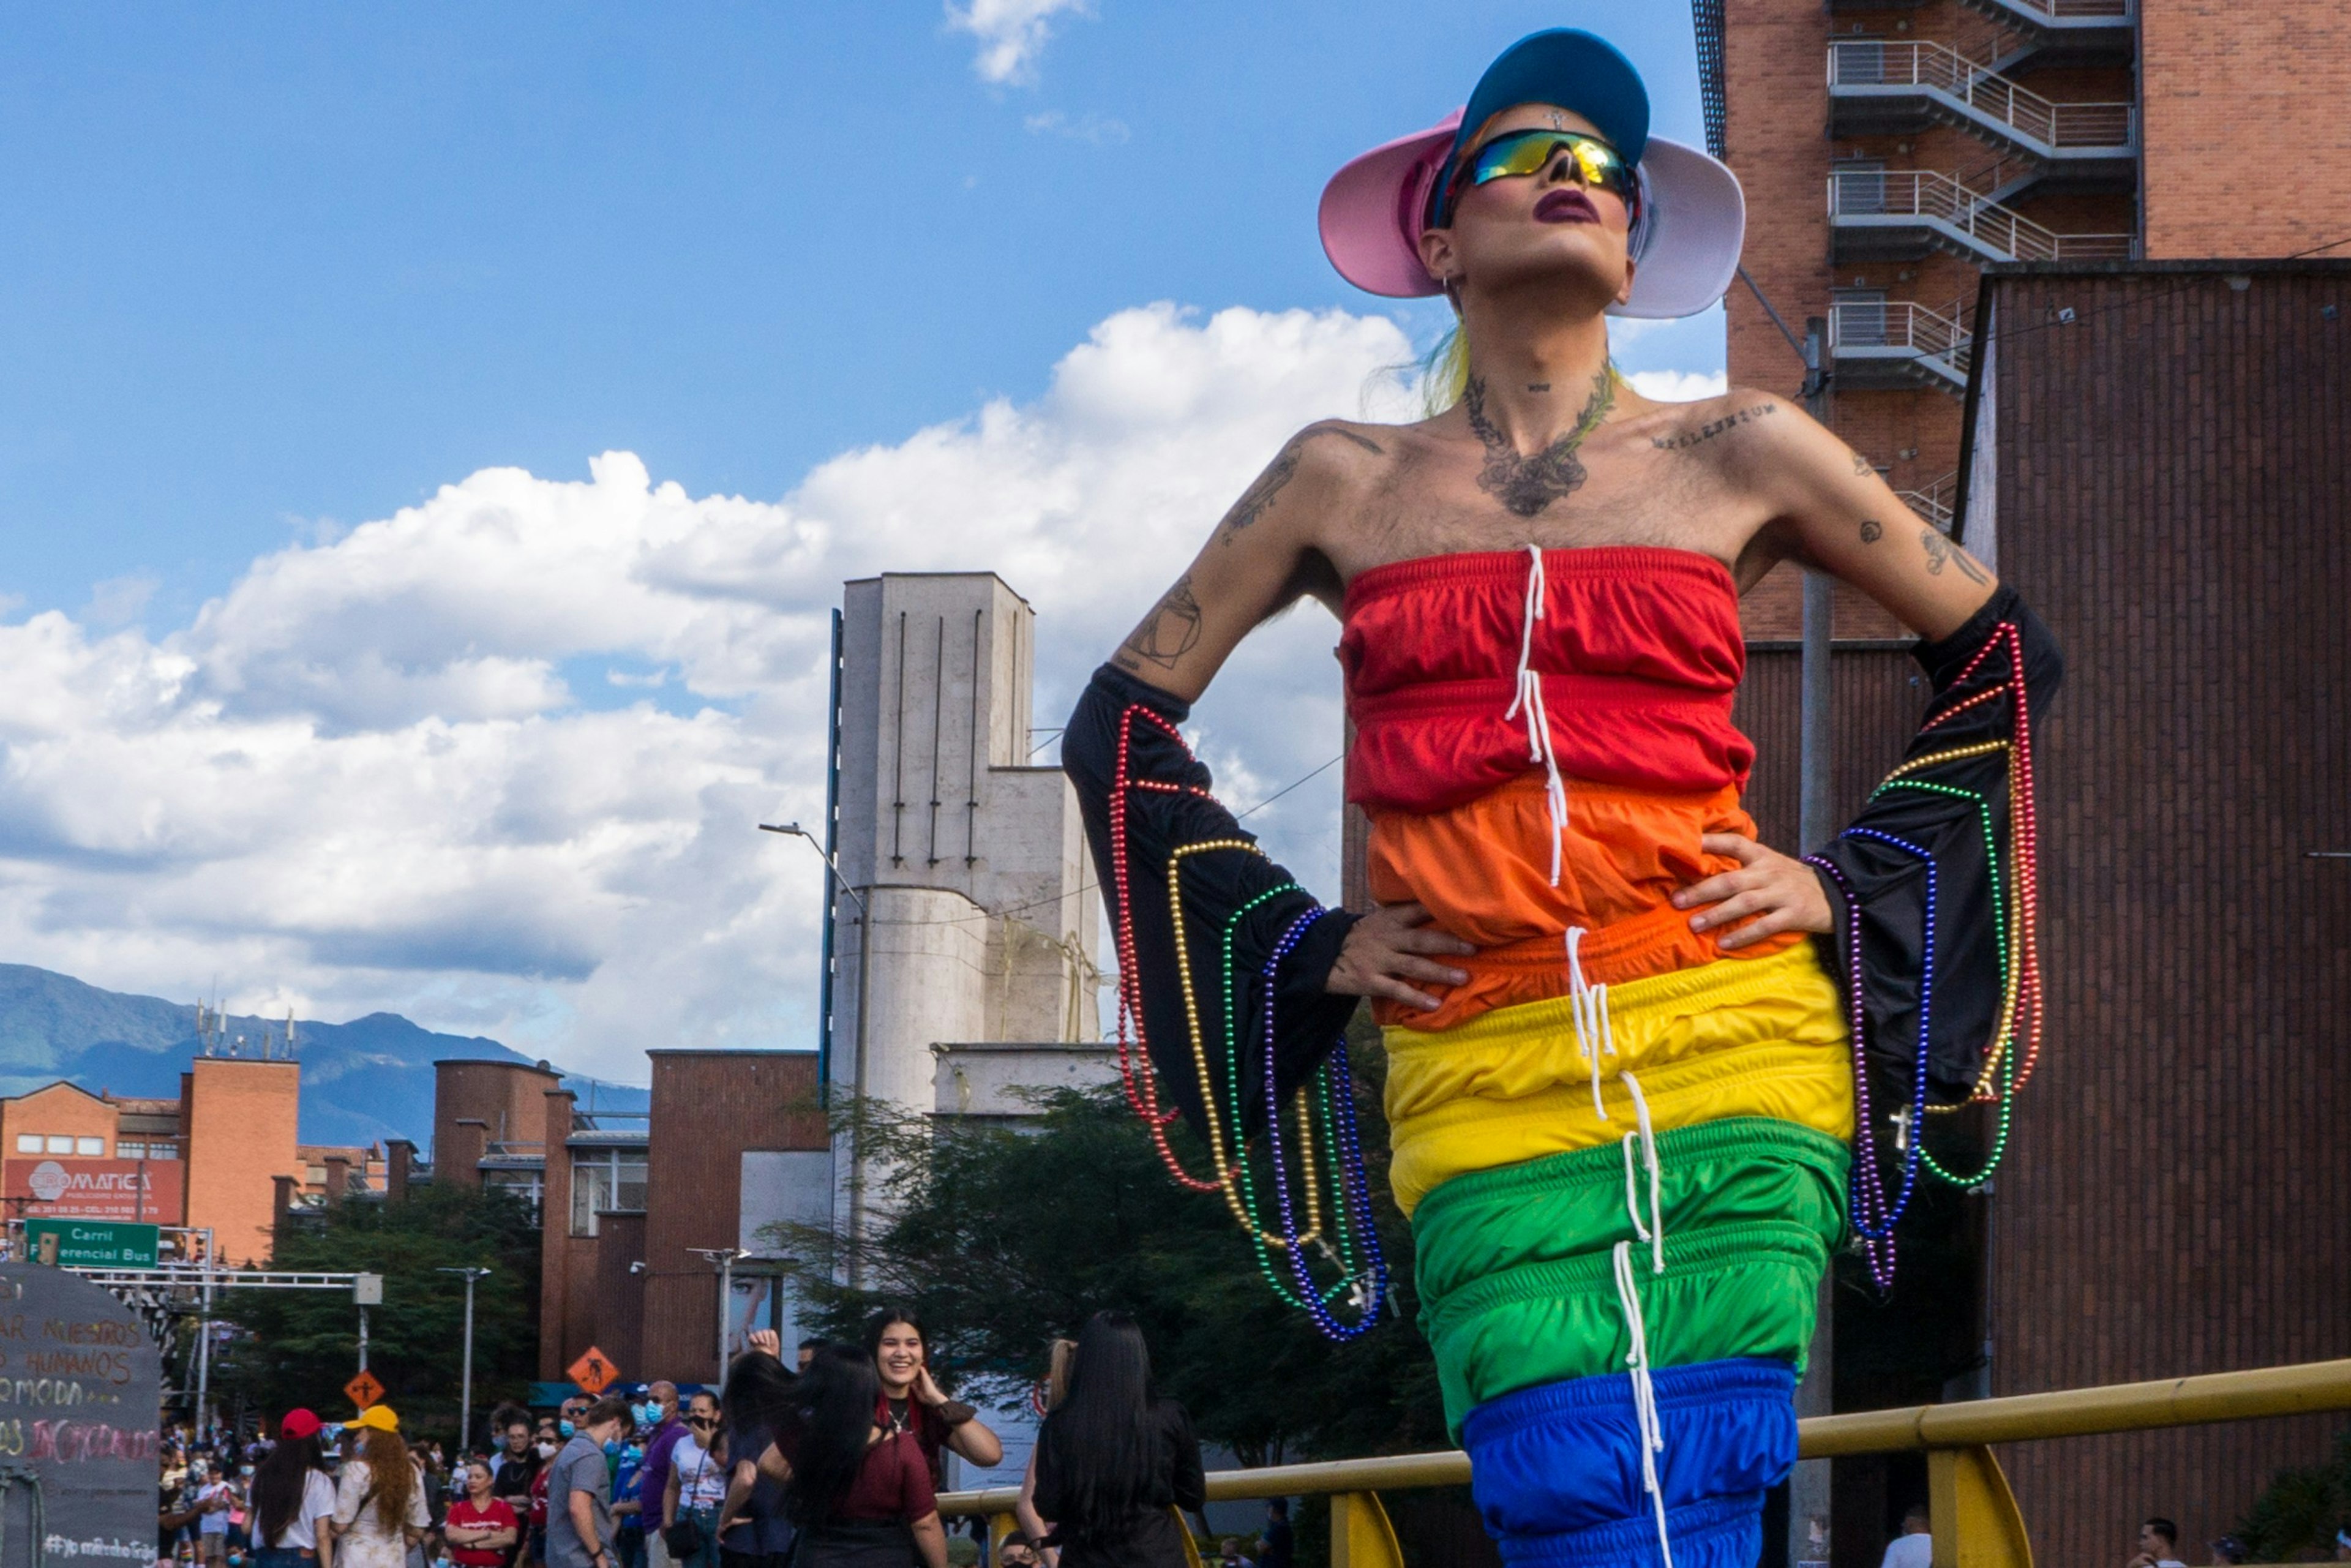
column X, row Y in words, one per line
column 1808, row 1483
column 205, row 1336
column 466, row 1400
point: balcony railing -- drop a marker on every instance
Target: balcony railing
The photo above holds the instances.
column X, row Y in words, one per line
column 1977, row 1523
column 2073, row 10
column 1980, row 94
column 1892, row 198
column 1929, row 344
column 1934, row 502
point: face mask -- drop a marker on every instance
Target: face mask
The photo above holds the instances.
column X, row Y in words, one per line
column 564, row 1428
column 611, row 1446
column 648, row 1414
column 547, row 1450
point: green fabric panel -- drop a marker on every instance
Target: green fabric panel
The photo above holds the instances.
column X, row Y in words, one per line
column 1565, row 1206
column 1516, row 1283
column 1736, row 1291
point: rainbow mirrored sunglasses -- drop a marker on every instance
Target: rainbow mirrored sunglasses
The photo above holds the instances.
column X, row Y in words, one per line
column 1598, row 166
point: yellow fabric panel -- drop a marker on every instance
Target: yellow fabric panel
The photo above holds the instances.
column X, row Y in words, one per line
column 1737, row 1037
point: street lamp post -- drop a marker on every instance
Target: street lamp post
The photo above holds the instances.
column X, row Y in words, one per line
column 723, row 1259
column 466, row 1400
column 864, row 1006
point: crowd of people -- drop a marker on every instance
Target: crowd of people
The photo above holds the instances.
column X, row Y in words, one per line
column 833, row 1461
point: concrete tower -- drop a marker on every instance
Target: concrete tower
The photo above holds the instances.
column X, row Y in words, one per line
column 971, row 861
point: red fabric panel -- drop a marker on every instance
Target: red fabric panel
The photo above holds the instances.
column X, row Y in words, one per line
column 1639, row 648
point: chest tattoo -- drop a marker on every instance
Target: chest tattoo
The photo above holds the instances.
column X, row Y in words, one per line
column 1524, row 484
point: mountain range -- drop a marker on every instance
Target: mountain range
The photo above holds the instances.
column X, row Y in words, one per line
column 361, row 1082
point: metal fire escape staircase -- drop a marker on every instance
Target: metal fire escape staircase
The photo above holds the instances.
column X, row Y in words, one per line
column 1885, row 87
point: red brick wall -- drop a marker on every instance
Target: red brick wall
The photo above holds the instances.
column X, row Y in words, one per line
column 2174, row 496
column 240, row 1118
column 2248, row 148
column 509, row 1099
column 708, row 1108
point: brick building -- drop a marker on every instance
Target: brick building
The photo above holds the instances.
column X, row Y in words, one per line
column 211, row 1159
column 732, row 1142
column 1891, row 150
column 2160, row 458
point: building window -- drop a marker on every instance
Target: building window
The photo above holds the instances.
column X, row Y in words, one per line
column 28, row 1143
column 94, row 1147
column 526, row 1184
column 162, row 1150
column 604, row 1180
column 58, row 1146
column 130, row 1149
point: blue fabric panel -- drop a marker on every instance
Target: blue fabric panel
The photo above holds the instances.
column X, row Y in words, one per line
column 1720, row 1533
column 1565, row 1458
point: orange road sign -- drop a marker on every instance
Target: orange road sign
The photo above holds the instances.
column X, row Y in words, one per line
column 593, row 1372
column 363, row 1390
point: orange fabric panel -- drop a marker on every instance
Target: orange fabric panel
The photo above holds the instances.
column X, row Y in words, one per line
column 1484, row 870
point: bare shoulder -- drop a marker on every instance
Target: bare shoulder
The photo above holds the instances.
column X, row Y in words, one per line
column 1322, row 467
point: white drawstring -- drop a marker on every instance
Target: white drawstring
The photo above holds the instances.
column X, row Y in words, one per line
column 1654, row 1233
column 1588, row 1004
column 1645, row 1393
column 1530, row 699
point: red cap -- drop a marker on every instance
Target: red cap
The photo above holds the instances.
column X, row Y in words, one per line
column 297, row 1424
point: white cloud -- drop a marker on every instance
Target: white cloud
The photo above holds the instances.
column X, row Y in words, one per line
column 1100, row 130
column 495, row 761
column 1011, row 32
column 1679, row 386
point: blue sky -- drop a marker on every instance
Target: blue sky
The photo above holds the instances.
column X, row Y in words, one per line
column 271, row 265
column 432, row 441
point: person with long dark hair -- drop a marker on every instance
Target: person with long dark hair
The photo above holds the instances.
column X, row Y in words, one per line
column 913, row 1401
column 753, row 1530
column 292, row 1492
column 1115, row 1461
column 858, row 1493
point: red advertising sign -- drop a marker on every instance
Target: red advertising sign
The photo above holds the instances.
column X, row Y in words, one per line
column 93, row 1189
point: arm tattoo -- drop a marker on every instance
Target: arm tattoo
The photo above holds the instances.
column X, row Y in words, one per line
column 1260, row 496
column 1940, row 550
column 1525, row 485
column 1863, row 468
column 1872, row 531
column 1171, row 631
column 1713, row 428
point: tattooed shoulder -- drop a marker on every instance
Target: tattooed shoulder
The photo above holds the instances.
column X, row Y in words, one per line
column 1259, row 498
column 1714, row 427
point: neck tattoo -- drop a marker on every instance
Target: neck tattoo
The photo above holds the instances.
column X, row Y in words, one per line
column 1525, row 485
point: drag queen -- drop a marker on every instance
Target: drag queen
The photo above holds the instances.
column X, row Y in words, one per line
column 1631, row 1049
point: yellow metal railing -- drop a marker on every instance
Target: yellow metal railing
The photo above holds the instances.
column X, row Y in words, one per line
column 1976, row 1521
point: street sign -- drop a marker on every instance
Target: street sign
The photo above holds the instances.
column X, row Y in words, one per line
column 92, row 1243
column 363, row 1390
column 367, row 1290
column 592, row 1371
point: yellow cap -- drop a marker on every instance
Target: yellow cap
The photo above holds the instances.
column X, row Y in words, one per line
column 377, row 1416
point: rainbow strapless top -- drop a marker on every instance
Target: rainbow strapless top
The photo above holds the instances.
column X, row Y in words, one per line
column 1634, row 653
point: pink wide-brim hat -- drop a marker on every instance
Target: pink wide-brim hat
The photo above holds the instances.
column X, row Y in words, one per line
column 1685, row 245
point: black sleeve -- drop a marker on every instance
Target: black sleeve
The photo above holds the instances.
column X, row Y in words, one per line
column 1185, row 1478
column 1933, row 886
column 1247, row 930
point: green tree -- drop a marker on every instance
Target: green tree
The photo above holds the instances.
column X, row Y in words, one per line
column 299, row 1347
column 1003, row 1238
column 2300, row 1511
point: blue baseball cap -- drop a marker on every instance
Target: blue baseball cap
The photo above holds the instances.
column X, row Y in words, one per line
column 1568, row 68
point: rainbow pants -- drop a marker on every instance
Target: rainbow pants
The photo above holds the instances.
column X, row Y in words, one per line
column 1623, row 1200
